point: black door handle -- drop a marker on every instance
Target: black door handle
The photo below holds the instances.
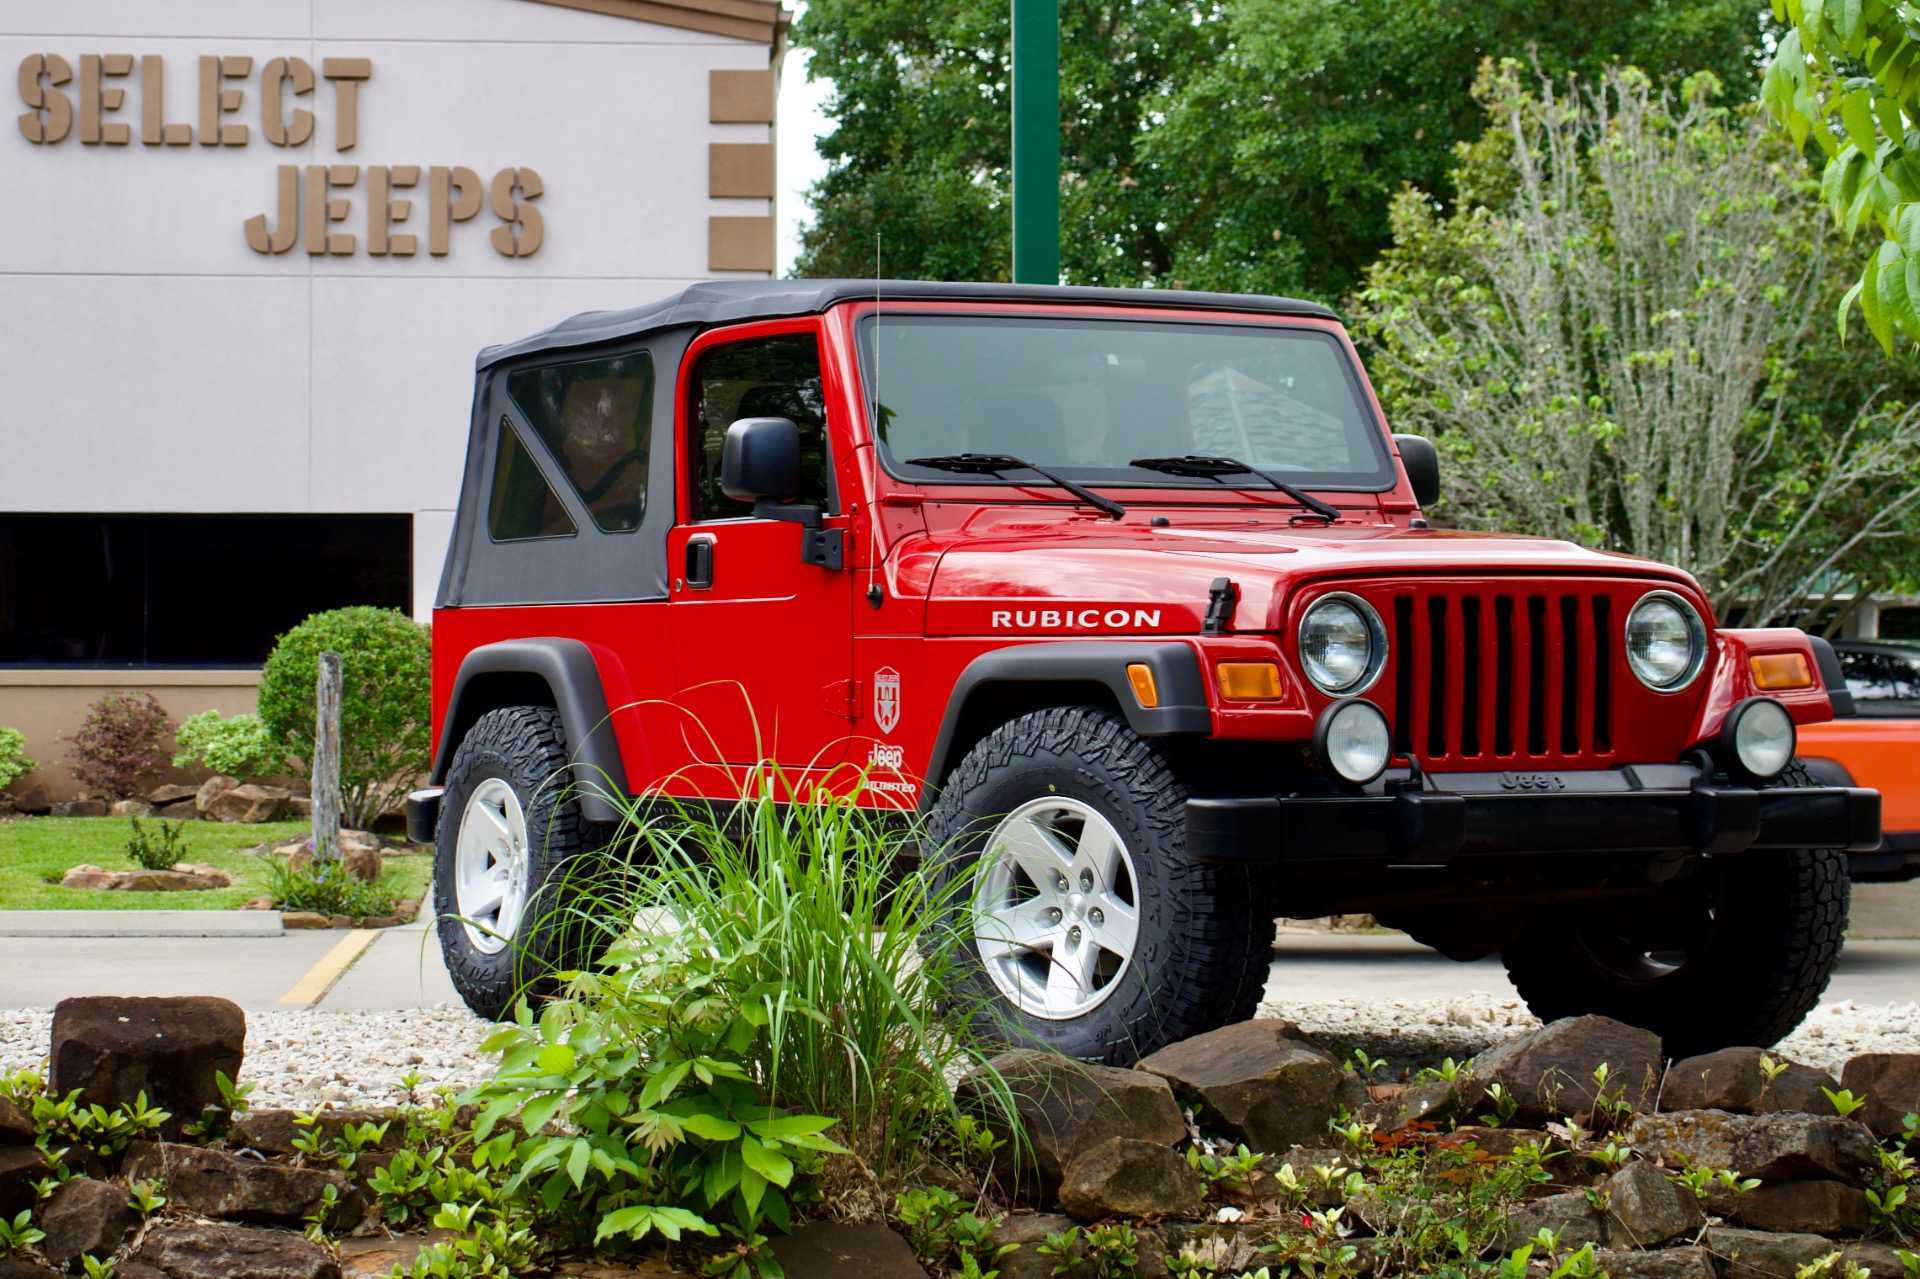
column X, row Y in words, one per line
column 700, row 563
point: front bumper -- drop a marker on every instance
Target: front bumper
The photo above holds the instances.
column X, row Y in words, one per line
column 1665, row 809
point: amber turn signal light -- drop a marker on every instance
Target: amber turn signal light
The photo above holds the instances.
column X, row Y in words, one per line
column 1250, row 681
column 1140, row 675
column 1775, row 671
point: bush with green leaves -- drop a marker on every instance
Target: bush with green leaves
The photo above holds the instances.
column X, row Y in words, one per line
column 14, row 763
column 238, row 746
column 156, row 852
column 385, row 703
column 326, row 888
column 118, row 746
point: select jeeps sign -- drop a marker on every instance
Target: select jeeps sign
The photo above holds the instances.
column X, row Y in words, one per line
column 310, row 206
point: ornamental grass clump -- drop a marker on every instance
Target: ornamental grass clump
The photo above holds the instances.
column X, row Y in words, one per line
column 769, row 1028
column 327, row 888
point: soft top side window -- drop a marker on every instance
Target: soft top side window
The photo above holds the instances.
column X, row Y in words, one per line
column 763, row 377
column 596, row 419
column 523, row 506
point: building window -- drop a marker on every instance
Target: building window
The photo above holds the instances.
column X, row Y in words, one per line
column 187, row 590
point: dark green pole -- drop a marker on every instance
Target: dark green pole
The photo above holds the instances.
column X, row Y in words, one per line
column 1036, row 141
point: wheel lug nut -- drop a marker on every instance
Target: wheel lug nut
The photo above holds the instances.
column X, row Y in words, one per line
column 1098, row 916
column 1059, row 881
column 1073, row 934
column 1086, row 881
column 1053, row 915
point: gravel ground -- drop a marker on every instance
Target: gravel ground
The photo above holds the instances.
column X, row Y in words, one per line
column 304, row 1059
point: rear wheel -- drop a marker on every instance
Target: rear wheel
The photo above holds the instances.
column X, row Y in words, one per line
column 1733, row 955
column 1062, row 838
column 508, row 827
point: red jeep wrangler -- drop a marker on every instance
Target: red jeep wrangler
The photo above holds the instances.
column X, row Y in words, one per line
column 1130, row 594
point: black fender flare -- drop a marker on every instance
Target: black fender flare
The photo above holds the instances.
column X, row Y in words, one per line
column 1175, row 665
column 504, row 674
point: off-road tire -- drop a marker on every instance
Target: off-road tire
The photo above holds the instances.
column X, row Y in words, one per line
column 1204, row 946
column 1780, row 919
column 525, row 746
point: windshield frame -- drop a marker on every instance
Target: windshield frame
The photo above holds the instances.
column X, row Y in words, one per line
column 860, row 327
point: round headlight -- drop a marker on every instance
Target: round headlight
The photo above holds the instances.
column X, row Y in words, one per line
column 1666, row 643
column 1353, row 741
column 1760, row 734
column 1342, row 644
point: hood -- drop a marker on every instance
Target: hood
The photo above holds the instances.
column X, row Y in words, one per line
column 1018, row 571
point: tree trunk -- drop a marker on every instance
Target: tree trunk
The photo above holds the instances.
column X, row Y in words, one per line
column 326, row 761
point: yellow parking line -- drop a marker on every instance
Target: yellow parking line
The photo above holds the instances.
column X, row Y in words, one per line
column 312, row 988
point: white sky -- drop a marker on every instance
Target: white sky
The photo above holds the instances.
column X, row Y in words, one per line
column 802, row 121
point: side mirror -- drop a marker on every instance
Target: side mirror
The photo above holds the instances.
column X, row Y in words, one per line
column 761, row 459
column 1420, row 458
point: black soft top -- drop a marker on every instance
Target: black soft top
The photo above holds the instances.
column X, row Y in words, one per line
column 732, row 301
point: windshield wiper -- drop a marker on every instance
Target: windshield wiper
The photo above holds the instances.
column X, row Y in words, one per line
column 995, row 463
column 1215, row 467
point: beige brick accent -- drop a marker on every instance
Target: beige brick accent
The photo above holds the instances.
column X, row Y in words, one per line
column 740, row 244
column 740, row 97
column 740, row 169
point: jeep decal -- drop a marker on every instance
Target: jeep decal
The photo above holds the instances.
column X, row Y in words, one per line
column 1085, row 619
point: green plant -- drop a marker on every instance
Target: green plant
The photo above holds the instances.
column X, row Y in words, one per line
column 1835, row 1265
column 118, row 744
column 145, row 1198
column 939, row 1225
column 240, row 746
column 1448, row 1071
column 1114, row 1249
column 96, row 1268
column 19, row 1233
column 384, row 706
column 14, row 763
column 66, row 1122
column 217, row 1119
column 1910, row 1262
column 151, row 853
column 326, row 888
column 1505, row 1105
column 1065, row 1249
column 1886, row 1203
column 1844, row 1102
column 486, row 1244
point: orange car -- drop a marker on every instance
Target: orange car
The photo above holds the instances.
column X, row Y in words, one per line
column 1877, row 746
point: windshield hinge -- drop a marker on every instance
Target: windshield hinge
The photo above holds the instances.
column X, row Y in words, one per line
column 1221, row 597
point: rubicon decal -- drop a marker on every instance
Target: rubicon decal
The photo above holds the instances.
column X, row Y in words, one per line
column 1076, row 619
column 886, row 698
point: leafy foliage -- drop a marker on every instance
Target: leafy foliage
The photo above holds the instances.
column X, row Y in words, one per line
column 385, row 704
column 151, row 852
column 14, row 763
column 239, row 746
column 1846, row 77
column 1607, row 335
column 118, row 745
column 1253, row 144
column 325, row 888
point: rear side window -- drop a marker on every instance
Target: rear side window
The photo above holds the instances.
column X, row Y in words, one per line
column 523, row 506
column 596, row 419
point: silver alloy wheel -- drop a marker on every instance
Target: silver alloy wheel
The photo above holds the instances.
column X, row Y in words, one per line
column 490, row 866
column 1056, row 908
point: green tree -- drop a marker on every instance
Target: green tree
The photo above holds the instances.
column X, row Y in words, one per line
column 1615, row 336
column 1235, row 144
column 1846, row 77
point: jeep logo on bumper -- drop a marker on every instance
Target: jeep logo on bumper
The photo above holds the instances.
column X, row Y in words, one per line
column 1532, row 781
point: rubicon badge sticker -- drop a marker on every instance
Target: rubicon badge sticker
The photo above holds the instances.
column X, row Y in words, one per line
column 886, row 698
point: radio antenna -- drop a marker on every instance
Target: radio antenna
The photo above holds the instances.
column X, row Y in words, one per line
column 874, row 594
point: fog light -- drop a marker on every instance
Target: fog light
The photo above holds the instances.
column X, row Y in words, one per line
column 1352, row 741
column 1760, row 735
column 1250, row 681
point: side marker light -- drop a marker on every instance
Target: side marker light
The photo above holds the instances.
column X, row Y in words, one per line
column 1775, row 671
column 1250, row 681
column 1140, row 675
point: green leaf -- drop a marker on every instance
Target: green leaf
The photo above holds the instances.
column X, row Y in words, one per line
column 775, row 1167
column 538, row 1111
column 1856, row 113
column 556, row 1059
column 753, row 1188
column 662, row 1086
column 711, row 1127
column 578, row 1162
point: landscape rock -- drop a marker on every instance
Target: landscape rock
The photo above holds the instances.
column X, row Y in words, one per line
column 171, row 793
column 1498, row 1142
column 192, row 1251
column 1550, row 1073
column 1067, row 1107
column 85, row 1216
column 1027, row 1231
column 1795, row 1207
column 304, row 919
column 1754, row 1254
column 16, row 1125
column 1879, row 1259
column 1891, row 1084
column 34, row 801
column 1668, row 1263
column 1645, row 1210
column 300, row 806
column 215, row 786
column 20, row 1167
column 376, row 1258
column 271, row 1132
column 845, row 1250
column 248, row 805
column 1259, row 1082
column 183, row 810
column 22, row 1268
column 80, row 808
column 1570, row 1214
column 1427, row 1102
column 1776, row 1147
column 1124, row 1177
column 88, row 878
column 130, row 808
column 259, row 903
column 166, row 881
column 1732, row 1080
column 220, row 1185
column 362, row 863
column 113, row 1048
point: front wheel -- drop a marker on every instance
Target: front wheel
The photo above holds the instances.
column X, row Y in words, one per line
column 1734, row 955
column 1061, row 839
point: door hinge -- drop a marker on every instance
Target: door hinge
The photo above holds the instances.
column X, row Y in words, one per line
column 843, row 698
column 826, row 547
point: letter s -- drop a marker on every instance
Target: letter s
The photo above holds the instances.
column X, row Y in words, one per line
column 59, row 109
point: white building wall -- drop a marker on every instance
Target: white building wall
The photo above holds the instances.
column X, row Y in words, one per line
column 156, row 363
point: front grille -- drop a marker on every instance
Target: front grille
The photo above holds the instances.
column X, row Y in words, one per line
column 1490, row 678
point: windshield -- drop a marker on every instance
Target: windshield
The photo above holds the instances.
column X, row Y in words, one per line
column 1088, row 397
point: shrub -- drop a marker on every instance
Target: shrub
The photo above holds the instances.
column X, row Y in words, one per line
column 119, row 744
column 239, row 747
column 385, row 704
column 14, row 763
column 325, row 888
column 149, row 852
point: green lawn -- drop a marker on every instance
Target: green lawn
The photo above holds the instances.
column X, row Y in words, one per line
column 36, row 852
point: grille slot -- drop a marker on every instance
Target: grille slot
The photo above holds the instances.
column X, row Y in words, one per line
column 1494, row 678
